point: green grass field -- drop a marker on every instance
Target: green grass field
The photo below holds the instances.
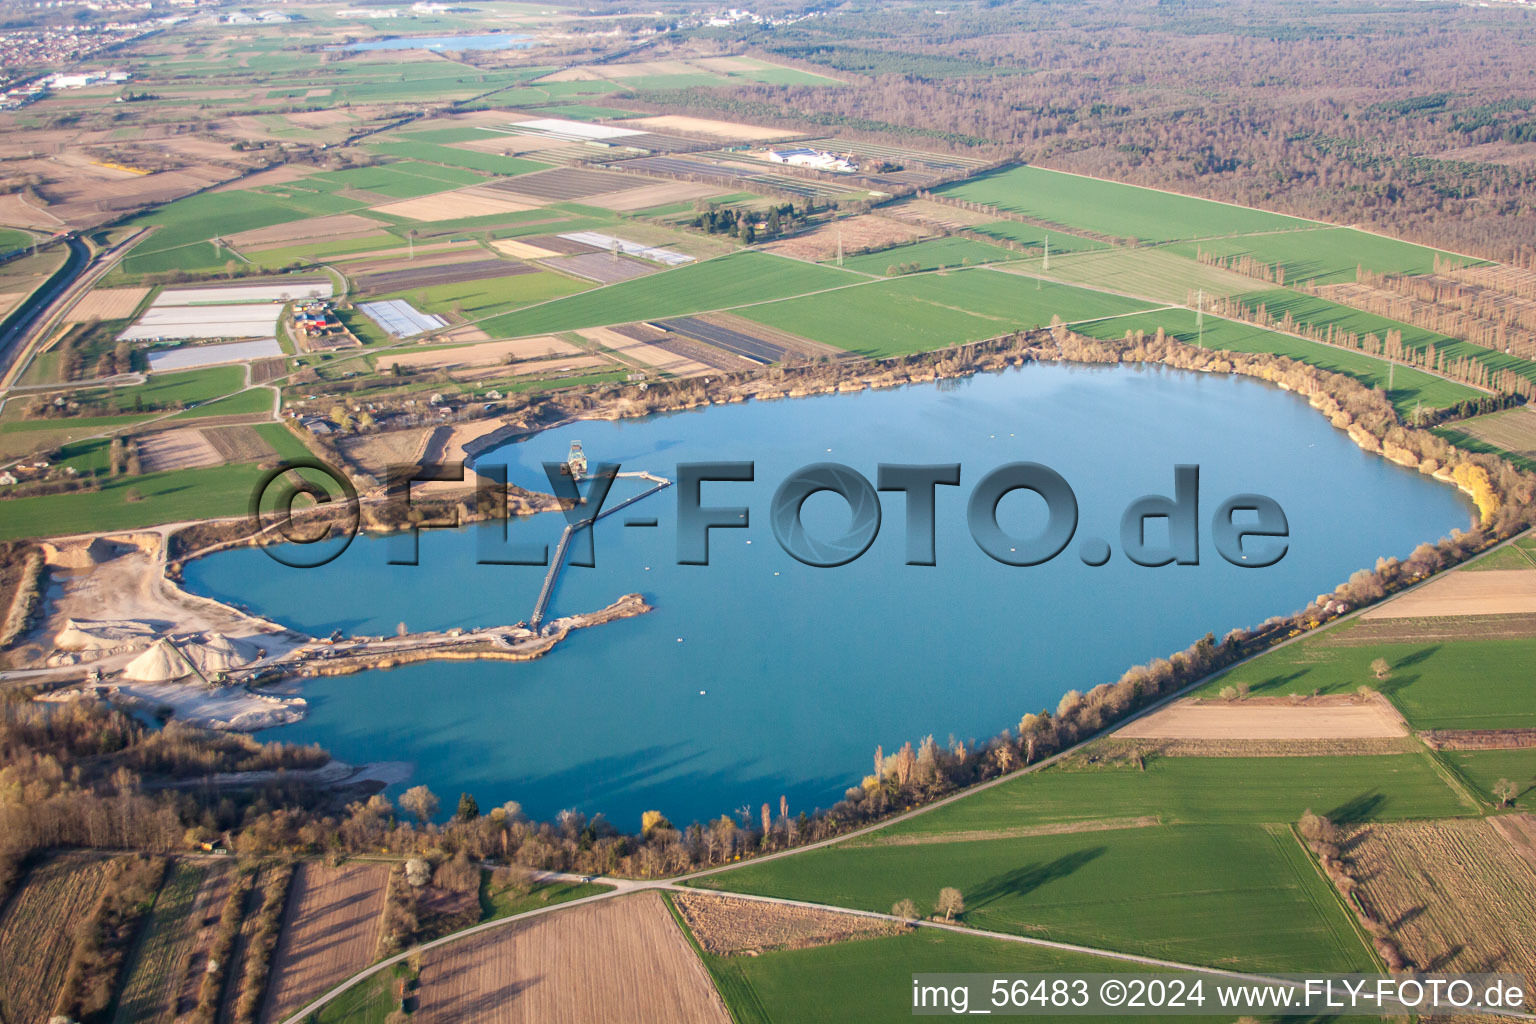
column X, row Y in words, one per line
column 1511, row 556
column 1111, row 209
column 1409, row 387
column 471, row 159
column 1484, row 768
column 929, row 255
column 124, row 502
column 930, row 311
column 1468, row 684
column 272, row 259
column 475, row 299
column 1204, row 790
column 1207, row 894
column 1155, row 273
column 871, row 979
column 1323, row 255
column 243, row 403
column 1034, row 238
column 713, row 284
column 497, row 902
column 161, row 389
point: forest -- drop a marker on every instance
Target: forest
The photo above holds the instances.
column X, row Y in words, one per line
column 1417, row 120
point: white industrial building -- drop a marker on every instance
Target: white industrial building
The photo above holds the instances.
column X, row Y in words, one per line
column 819, row 159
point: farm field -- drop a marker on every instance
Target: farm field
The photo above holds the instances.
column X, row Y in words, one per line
column 1486, row 592
column 712, row 284
column 1324, row 255
column 870, row 979
column 1410, row 387
column 37, row 932
column 331, row 931
column 1471, row 915
column 930, row 311
column 124, row 502
column 478, row 299
column 620, row 959
column 1468, row 684
column 1034, row 239
column 1321, row 313
column 1197, row 790
column 1111, row 209
column 1209, row 894
column 1484, row 769
column 1153, row 273
column 1511, row 433
column 157, row 968
column 930, row 255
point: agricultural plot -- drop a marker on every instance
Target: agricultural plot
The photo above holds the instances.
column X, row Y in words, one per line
column 1485, row 769
column 739, row 343
column 1215, row 895
column 331, row 931
column 189, row 357
column 621, row 959
column 1511, row 433
column 107, row 304
column 599, row 267
column 931, row 311
column 494, row 353
column 867, row 231
column 475, row 300
column 158, row 968
column 566, row 183
column 1111, row 209
column 711, row 284
column 125, row 502
column 1323, row 255
column 1195, row 790
column 185, row 448
column 400, row 319
column 1035, row 239
column 1232, row 726
column 933, row 254
column 1487, row 592
column 870, row 980
column 441, row 273
column 37, row 932
column 1456, row 895
column 413, row 147
column 1468, row 684
column 639, row 345
column 1409, row 387
column 1153, row 273
column 727, row 926
column 1322, row 314
column 450, row 206
column 185, row 322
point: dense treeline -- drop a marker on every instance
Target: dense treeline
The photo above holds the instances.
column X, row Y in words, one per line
column 1417, row 121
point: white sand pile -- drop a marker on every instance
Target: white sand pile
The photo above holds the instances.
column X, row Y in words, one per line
column 217, row 653
column 103, row 634
column 162, row 663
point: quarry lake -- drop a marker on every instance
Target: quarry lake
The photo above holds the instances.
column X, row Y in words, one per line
column 756, row 675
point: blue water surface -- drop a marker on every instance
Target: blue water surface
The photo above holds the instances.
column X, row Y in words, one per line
column 758, row 676
column 495, row 41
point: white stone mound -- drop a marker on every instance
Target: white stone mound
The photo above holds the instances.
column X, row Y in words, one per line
column 103, row 634
column 162, row 663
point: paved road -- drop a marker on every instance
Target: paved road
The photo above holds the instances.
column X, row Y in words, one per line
column 13, row 341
